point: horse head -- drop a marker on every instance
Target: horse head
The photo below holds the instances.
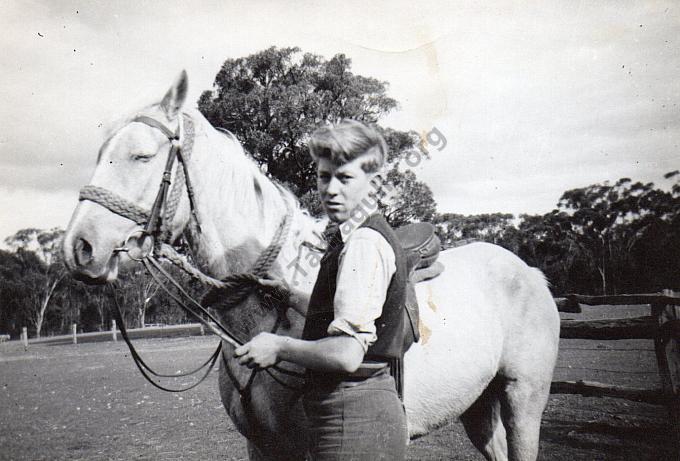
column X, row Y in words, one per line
column 129, row 169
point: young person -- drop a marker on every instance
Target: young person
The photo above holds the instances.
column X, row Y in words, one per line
column 354, row 323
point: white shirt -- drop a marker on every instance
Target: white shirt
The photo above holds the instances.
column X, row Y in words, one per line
column 365, row 268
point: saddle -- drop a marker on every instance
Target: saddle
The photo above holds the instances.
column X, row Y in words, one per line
column 421, row 245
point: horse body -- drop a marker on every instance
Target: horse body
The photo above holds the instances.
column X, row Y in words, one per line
column 489, row 326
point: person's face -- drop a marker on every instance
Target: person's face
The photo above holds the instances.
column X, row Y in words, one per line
column 341, row 188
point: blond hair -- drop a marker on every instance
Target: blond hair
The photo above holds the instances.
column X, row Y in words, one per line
column 349, row 140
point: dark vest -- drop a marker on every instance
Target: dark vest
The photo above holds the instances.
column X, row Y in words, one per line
column 390, row 325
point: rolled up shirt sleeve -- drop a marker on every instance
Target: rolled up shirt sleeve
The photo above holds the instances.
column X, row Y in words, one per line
column 365, row 269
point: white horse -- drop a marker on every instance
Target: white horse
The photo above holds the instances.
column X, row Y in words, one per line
column 490, row 327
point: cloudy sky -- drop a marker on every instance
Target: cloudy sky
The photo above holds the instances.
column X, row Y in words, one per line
column 533, row 100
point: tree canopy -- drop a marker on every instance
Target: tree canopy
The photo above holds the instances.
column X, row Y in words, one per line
column 274, row 99
column 604, row 238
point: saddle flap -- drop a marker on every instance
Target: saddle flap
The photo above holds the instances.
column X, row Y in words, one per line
column 411, row 325
column 412, row 311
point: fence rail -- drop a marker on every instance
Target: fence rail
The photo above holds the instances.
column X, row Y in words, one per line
column 595, row 389
column 629, row 328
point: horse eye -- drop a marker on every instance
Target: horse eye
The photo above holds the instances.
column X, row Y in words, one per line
column 142, row 157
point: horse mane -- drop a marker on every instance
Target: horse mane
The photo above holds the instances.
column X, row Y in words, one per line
column 257, row 191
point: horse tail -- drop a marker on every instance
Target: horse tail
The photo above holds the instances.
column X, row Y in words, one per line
column 543, row 297
column 539, row 277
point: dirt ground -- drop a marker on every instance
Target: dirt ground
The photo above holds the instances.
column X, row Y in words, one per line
column 88, row 401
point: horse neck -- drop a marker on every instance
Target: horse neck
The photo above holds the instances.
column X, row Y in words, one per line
column 240, row 209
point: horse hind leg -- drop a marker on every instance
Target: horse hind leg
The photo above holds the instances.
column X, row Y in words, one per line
column 522, row 405
column 482, row 422
column 527, row 367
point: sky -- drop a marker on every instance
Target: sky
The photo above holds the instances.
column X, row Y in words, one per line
column 533, row 98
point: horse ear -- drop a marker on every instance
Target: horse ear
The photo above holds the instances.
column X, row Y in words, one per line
column 174, row 99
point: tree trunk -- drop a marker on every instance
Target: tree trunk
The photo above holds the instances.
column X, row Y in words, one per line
column 40, row 317
column 100, row 311
column 141, row 314
column 39, row 321
column 603, row 277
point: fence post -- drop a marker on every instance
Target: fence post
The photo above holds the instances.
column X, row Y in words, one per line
column 74, row 329
column 202, row 329
column 24, row 336
column 113, row 330
column 667, row 348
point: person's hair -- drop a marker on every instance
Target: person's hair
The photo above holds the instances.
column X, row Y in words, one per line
column 348, row 140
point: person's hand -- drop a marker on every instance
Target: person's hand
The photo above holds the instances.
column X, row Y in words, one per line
column 275, row 287
column 272, row 283
column 260, row 352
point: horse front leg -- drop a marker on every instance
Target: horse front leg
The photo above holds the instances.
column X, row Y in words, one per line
column 257, row 454
column 268, row 415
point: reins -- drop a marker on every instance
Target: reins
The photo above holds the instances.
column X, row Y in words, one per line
column 157, row 230
column 146, row 370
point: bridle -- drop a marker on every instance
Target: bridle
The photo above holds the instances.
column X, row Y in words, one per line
column 155, row 225
column 154, row 244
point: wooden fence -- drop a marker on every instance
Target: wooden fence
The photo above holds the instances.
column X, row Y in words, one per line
column 77, row 337
column 662, row 326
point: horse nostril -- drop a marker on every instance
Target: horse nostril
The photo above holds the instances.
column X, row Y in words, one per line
column 83, row 252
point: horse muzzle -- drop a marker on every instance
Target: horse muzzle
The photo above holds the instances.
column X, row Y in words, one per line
column 89, row 253
column 87, row 262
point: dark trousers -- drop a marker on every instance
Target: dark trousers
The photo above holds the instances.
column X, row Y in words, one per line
column 361, row 420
